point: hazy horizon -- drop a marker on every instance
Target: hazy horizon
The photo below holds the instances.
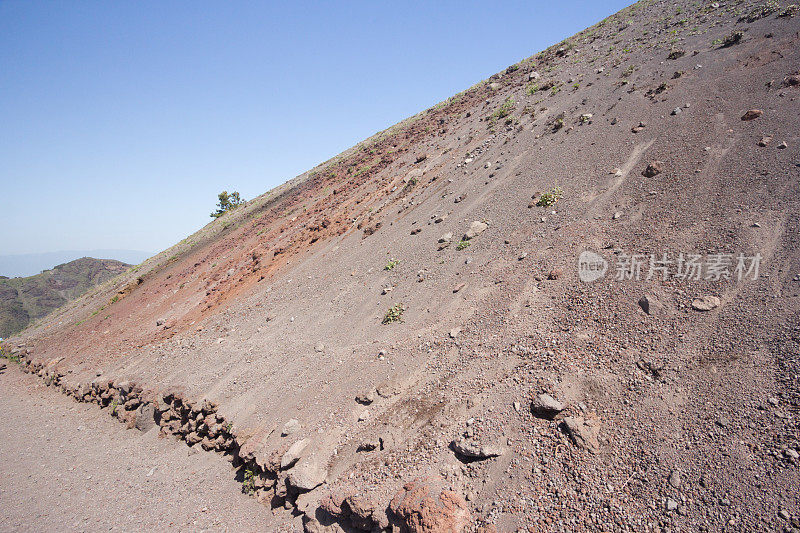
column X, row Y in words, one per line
column 24, row 265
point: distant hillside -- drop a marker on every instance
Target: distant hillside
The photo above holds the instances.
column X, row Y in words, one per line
column 26, row 299
column 32, row 264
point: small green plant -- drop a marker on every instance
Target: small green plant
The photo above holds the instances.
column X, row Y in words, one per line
column 761, row 11
column 5, row 354
column 732, row 39
column 532, row 88
column 628, row 71
column 114, row 405
column 676, row 54
column 550, row 197
column 503, row 111
column 394, row 314
column 115, row 299
column 229, row 427
column 249, row 483
column 391, row 264
column 462, row 245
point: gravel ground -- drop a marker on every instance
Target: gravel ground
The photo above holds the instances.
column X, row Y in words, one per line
column 69, row 467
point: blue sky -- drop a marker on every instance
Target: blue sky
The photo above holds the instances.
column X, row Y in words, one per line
column 120, row 122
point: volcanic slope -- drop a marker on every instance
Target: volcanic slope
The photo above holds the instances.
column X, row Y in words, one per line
column 429, row 273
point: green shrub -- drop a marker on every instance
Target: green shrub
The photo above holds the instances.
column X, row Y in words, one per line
column 227, row 202
column 503, row 111
column 249, row 483
column 732, row 39
column 394, row 314
column 550, row 197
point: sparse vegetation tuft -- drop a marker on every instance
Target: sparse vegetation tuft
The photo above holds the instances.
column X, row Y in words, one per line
column 462, row 245
column 550, row 197
column 391, row 264
column 394, row 314
column 503, row 111
column 249, row 483
column 761, row 11
column 732, row 39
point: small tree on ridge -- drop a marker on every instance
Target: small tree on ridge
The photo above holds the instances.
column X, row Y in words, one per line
column 227, row 202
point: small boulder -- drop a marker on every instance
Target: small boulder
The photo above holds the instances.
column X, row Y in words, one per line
column 752, row 114
column 474, row 450
column 388, row 388
column 555, row 274
column 653, row 169
column 705, row 303
column 676, row 53
column 421, row 508
column 670, row 504
column 290, row 428
column 652, row 305
column 545, row 406
column 294, row 453
column 369, row 444
column 475, row 229
column 363, row 511
column 366, row 398
column 307, row 476
column 145, row 417
column 584, row 432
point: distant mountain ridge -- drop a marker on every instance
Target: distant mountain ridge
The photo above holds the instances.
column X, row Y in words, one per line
column 20, row 265
column 25, row 299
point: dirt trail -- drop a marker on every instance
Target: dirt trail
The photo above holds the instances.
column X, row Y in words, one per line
column 67, row 466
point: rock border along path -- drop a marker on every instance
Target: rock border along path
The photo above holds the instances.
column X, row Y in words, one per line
column 194, row 422
column 198, row 423
column 272, row 483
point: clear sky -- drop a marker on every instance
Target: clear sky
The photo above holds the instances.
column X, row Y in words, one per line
column 121, row 121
